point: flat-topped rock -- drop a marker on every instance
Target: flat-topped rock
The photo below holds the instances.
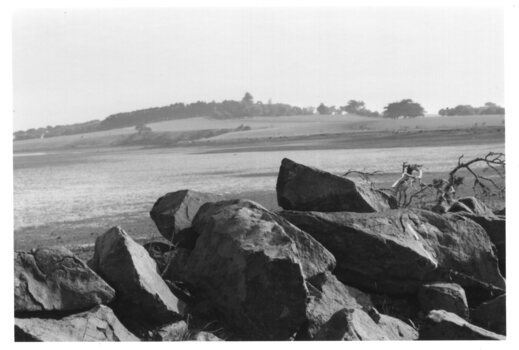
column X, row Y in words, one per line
column 304, row 188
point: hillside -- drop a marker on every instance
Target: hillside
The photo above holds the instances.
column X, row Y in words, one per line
column 266, row 129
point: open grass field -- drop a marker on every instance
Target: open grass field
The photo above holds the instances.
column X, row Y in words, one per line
column 68, row 190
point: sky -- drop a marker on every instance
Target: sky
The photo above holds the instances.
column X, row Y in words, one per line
column 76, row 65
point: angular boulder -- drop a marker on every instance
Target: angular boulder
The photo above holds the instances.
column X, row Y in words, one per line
column 476, row 291
column 300, row 187
column 97, row 324
column 495, row 227
column 129, row 269
column 396, row 329
column 443, row 296
column 175, row 211
column 443, row 325
column 472, row 205
column 54, row 279
column 394, row 252
column 491, row 315
column 327, row 296
column 355, row 324
column 253, row 266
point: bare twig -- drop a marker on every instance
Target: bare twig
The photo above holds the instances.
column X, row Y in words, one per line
column 364, row 174
column 418, row 194
column 493, row 160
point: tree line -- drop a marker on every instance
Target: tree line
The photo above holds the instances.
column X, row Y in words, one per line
column 405, row 108
column 489, row 108
column 246, row 107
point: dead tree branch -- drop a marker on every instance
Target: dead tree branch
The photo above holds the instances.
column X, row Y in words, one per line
column 363, row 174
column 495, row 161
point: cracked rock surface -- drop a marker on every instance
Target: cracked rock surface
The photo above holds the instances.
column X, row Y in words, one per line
column 53, row 279
column 97, row 324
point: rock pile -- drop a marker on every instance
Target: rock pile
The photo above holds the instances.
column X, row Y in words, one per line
column 340, row 262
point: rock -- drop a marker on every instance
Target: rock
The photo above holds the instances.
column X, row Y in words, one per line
column 443, row 296
column 128, row 268
column 355, row 324
column 177, row 263
column 327, row 296
column 491, row 315
column 173, row 332
column 253, row 266
column 175, row 211
column 404, row 308
column 496, row 229
column 500, row 212
column 396, row 251
column 54, row 279
column 304, row 188
column 456, row 207
column 474, row 206
column 97, row 324
column 159, row 251
column 205, row 336
column 396, row 329
column 477, row 292
column 443, row 325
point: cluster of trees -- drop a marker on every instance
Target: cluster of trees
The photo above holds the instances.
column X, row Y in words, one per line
column 488, row 109
column 58, row 130
column 225, row 109
column 247, row 107
column 221, row 110
column 406, row 108
column 352, row 107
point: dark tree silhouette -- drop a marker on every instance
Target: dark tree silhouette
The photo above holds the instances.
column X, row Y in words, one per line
column 358, row 108
column 247, row 99
column 489, row 108
column 322, row 109
column 404, row 108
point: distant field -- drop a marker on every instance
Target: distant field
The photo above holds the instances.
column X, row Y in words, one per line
column 264, row 128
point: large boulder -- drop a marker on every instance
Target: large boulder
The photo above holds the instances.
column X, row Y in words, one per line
column 356, row 324
column 174, row 212
column 300, row 187
column 97, row 324
column 396, row 251
column 495, row 227
column 443, row 296
column 471, row 205
column 491, row 315
column 443, row 325
column 327, row 295
column 253, row 266
column 53, row 279
column 129, row 269
column 476, row 291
